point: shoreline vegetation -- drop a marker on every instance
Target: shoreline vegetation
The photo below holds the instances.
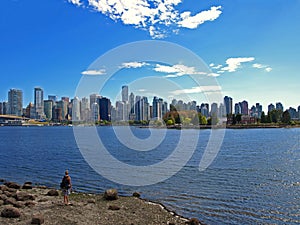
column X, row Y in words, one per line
column 29, row 204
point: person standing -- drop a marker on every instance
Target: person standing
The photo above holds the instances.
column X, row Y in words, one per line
column 66, row 186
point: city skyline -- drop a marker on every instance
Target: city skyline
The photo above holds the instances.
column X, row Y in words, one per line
column 126, row 106
column 251, row 47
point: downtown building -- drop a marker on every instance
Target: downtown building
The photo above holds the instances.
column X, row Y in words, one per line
column 15, row 102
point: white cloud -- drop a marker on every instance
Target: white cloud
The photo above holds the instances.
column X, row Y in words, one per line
column 177, row 70
column 94, row 72
column 134, row 64
column 213, row 66
column 268, row 69
column 195, row 90
column 261, row 66
column 75, row 2
column 158, row 17
column 193, row 22
column 213, row 74
column 234, row 63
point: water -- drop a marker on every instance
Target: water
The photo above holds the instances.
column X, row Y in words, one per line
column 255, row 179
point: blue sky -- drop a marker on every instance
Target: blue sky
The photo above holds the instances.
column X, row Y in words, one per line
column 251, row 46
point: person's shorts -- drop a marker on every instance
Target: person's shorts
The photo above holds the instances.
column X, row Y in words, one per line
column 66, row 192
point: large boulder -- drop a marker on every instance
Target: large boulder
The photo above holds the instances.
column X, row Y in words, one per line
column 10, row 201
column 136, row 194
column 1, row 202
column 12, row 185
column 3, row 188
column 23, row 196
column 53, row 192
column 111, row 194
column 10, row 212
column 37, row 219
column 27, row 185
column 3, row 197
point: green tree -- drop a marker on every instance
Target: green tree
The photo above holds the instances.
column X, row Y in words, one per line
column 170, row 122
column 263, row 118
column 286, row 117
column 238, row 118
column 202, row 119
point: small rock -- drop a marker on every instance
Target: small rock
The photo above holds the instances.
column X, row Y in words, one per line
column 3, row 197
column 52, row 193
column 111, row 194
column 2, row 180
column 7, row 193
column 12, row 185
column 28, row 182
column 10, row 201
column 3, row 188
column 193, row 221
column 171, row 223
column 113, row 207
column 1, row 202
column 92, row 201
column 10, row 212
column 23, row 196
column 136, row 194
column 37, row 219
column 30, row 203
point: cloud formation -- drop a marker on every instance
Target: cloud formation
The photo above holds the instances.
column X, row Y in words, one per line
column 133, row 64
column 158, row 17
column 198, row 89
column 94, row 72
column 177, row 70
column 234, row 63
column 261, row 66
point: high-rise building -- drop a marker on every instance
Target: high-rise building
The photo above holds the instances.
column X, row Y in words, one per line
column 237, row 109
column 94, row 98
column 145, row 114
column 1, row 108
column 271, row 107
column 222, row 110
column 30, row 111
column 125, row 93
column 228, row 105
column 120, row 111
column 63, row 106
column 85, row 109
column 279, row 106
column 38, row 103
column 66, row 99
column 54, row 98
column 131, row 107
column 157, row 107
column 214, row 109
column 15, row 102
column 138, row 108
column 76, row 109
column 204, row 109
column 95, row 112
column 104, row 108
column 48, row 109
column 244, row 107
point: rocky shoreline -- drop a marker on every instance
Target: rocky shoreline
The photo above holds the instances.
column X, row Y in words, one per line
column 28, row 204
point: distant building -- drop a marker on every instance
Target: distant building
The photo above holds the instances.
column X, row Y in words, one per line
column 38, row 103
column 48, row 109
column 293, row 113
column 95, row 112
column 76, row 109
column 145, row 114
column 125, row 93
column 15, row 102
column 157, row 107
column 271, row 107
column 279, row 106
column 104, row 108
column 244, row 106
column 131, row 107
column 120, row 111
column 94, row 99
column 30, row 111
column 53, row 98
column 237, row 109
column 214, row 109
column 138, row 108
column 228, row 105
column 85, row 109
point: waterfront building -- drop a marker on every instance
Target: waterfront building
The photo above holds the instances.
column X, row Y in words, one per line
column 214, row 109
column 76, row 109
column 38, row 103
column 30, row 111
column 94, row 99
column 131, row 107
column 15, row 102
column 222, row 110
column 66, row 99
column 237, row 109
column 104, row 108
column 244, row 107
column 57, row 114
column 293, row 113
column 228, row 105
column 48, row 109
column 125, row 93
column 95, row 112
column 299, row 112
column 157, row 107
column 145, row 114
column 204, row 109
column 165, row 108
column 53, row 98
column 271, row 107
column 279, row 106
column 1, row 108
column 138, row 108
column 120, row 111
column 85, row 109
column 63, row 106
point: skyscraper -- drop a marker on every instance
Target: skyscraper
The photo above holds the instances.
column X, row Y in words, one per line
column 38, row 102
column 48, row 109
column 85, row 109
column 244, row 107
column 279, row 106
column 157, row 107
column 104, row 108
column 228, row 105
column 125, row 93
column 15, row 102
column 76, row 109
column 138, row 108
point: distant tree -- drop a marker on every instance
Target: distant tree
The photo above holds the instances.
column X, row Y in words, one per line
column 187, row 121
column 202, row 119
column 195, row 120
column 238, row 118
column 170, row 122
column 286, row 117
column 172, row 108
column 263, row 118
